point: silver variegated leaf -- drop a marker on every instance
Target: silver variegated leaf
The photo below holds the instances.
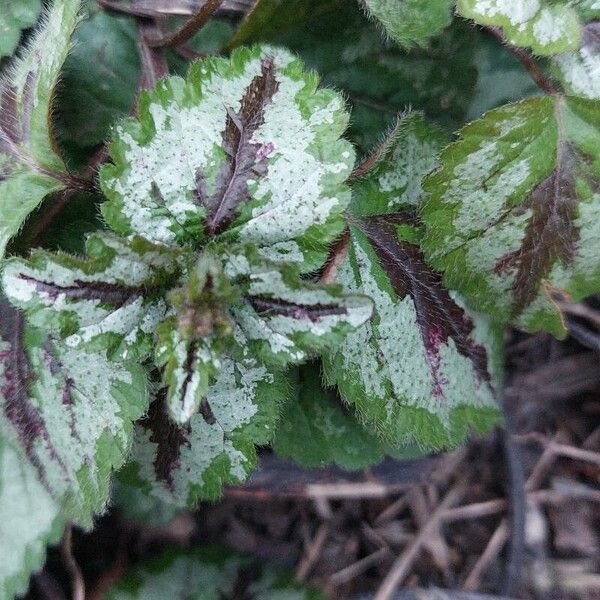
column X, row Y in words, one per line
column 285, row 319
column 110, row 300
column 245, row 149
column 31, row 518
column 70, row 410
column 181, row 465
column 547, row 27
column 513, row 211
column 422, row 370
column 189, row 367
column 30, row 167
column 579, row 70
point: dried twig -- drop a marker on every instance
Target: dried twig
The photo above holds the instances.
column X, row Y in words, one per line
column 312, row 553
column 403, row 563
column 182, row 35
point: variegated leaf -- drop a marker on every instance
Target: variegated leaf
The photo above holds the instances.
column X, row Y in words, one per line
column 15, row 16
column 286, row 319
column 545, row 26
column 245, row 149
column 31, row 518
column 412, row 22
column 30, row 167
column 207, row 574
column 71, row 411
column 422, row 370
column 513, row 214
column 181, row 465
column 110, row 301
column 579, row 70
column 190, row 366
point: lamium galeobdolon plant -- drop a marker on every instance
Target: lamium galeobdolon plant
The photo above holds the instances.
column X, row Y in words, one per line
column 248, row 272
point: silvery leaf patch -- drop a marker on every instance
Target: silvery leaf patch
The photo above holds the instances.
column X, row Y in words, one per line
column 66, row 421
column 423, row 369
column 545, row 26
column 110, row 300
column 512, row 224
column 245, row 149
column 181, row 464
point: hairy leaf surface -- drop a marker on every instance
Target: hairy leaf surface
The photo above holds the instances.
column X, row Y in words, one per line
column 183, row 464
column 71, row 412
column 545, row 26
column 316, row 431
column 412, row 22
column 246, row 149
column 422, row 369
column 31, row 518
column 15, row 16
column 30, row 167
column 209, row 574
column 513, row 210
column 110, row 300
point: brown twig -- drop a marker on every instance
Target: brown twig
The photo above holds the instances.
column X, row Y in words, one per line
column 403, row 563
column 195, row 23
column 77, row 582
column 527, row 60
column 312, row 552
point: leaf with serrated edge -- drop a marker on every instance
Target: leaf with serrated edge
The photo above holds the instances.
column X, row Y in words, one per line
column 71, row 411
column 208, row 573
column 316, row 431
column 421, row 371
column 411, row 22
column 285, row 319
column 16, row 15
column 31, row 518
column 182, row 465
column 30, row 167
column 110, row 300
column 579, row 70
column 542, row 25
column 513, row 213
column 241, row 145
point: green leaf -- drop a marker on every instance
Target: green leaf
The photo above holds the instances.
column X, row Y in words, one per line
column 109, row 301
column 587, row 9
column 30, row 167
column 207, row 574
column 181, row 465
column 412, row 22
column 378, row 78
column 16, row 15
column 286, row 319
column 71, row 411
column 513, row 210
column 215, row 155
column 422, row 371
column 272, row 17
column 31, row 518
column 316, row 431
column 545, row 26
column 579, row 71
column 100, row 78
